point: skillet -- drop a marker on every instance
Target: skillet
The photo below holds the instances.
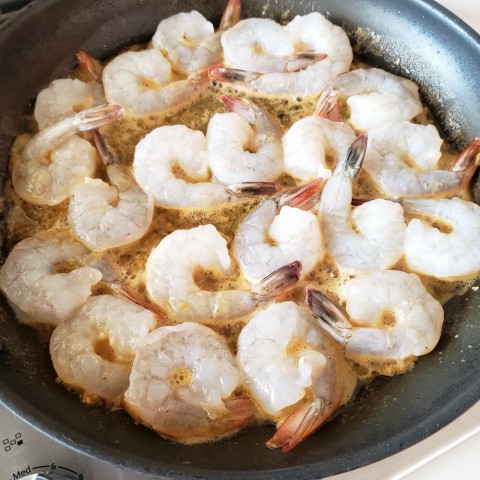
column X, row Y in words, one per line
column 414, row 38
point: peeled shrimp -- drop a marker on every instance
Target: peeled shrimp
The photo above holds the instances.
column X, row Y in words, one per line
column 183, row 385
column 430, row 251
column 66, row 96
column 236, row 152
column 189, row 41
column 376, row 241
column 143, row 83
column 170, row 281
column 402, row 158
column 93, row 350
column 272, row 52
column 162, row 150
column 103, row 216
column 370, row 332
column 33, row 281
column 294, row 231
column 56, row 160
column 374, row 96
column 286, row 359
column 310, row 142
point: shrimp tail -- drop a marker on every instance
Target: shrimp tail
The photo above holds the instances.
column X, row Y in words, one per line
column 241, row 410
column 304, row 197
column 253, row 189
column 327, row 106
column 352, row 162
column 231, row 14
column 466, row 164
column 277, row 282
column 102, row 147
column 88, row 66
column 330, row 316
column 97, row 117
column 301, row 60
column 232, row 75
column 299, row 425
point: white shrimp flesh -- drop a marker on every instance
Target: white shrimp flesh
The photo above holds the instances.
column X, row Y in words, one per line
column 93, row 351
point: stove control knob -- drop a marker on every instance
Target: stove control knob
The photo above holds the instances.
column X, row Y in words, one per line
column 46, row 476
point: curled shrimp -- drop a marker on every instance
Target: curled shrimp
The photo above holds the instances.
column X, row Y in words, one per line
column 38, row 278
column 170, row 281
column 311, row 142
column 103, row 216
column 451, row 254
column 55, row 160
column 295, row 232
column 93, row 350
column 236, row 152
column 67, row 96
column 374, row 97
column 143, row 83
column 183, row 385
column 294, row 371
column 402, row 159
column 163, row 149
column 189, row 41
column 367, row 238
column 298, row 59
column 392, row 319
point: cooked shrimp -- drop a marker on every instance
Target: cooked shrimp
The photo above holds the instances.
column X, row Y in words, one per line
column 430, row 251
column 402, row 159
column 286, row 60
column 392, row 319
column 311, row 142
column 56, row 160
column 93, row 350
column 103, row 216
column 238, row 153
column 162, row 150
column 32, row 278
column 183, row 385
column 294, row 371
column 143, row 83
column 367, row 238
column 374, row 96
column 294, row 231
column 170, row 277
column 189, row 41
column 66, row 96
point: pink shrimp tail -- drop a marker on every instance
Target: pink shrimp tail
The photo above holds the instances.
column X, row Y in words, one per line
column 466, row 163
column 241, row 411
column 231, row 14
column 87, row 65
column 299, row 425
column 327, row 106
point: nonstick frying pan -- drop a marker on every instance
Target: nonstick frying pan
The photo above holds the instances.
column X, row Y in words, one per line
column 415, row 38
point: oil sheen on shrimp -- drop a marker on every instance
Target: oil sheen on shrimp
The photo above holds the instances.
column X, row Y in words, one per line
column 56, row 160
column 263, row 46
column 93, row 350
column 32, row 278
column 183, row 385
column 392, row 319
column 288, row 361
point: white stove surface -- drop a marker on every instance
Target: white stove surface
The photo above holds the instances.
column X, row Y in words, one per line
column 451, row 453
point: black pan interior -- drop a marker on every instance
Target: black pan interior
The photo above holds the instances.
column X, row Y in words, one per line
column 415, row 38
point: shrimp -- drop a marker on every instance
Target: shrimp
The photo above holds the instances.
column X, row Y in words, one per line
column 103, row 216
column 376, row 241
column 392, row 319
column 93, row 350
column 298, row 59
column 294, row 231
column 162, row 150
column 189, row 41
column 66, row 96
column 311, row 142
column 402, row 159
column 236, row 153
column 293, row 370
column 170, row 281
column 374, row 97
column 183, row 384
column 143, row 83
column 38, row 279
column 55, row 160
column 432, row 252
